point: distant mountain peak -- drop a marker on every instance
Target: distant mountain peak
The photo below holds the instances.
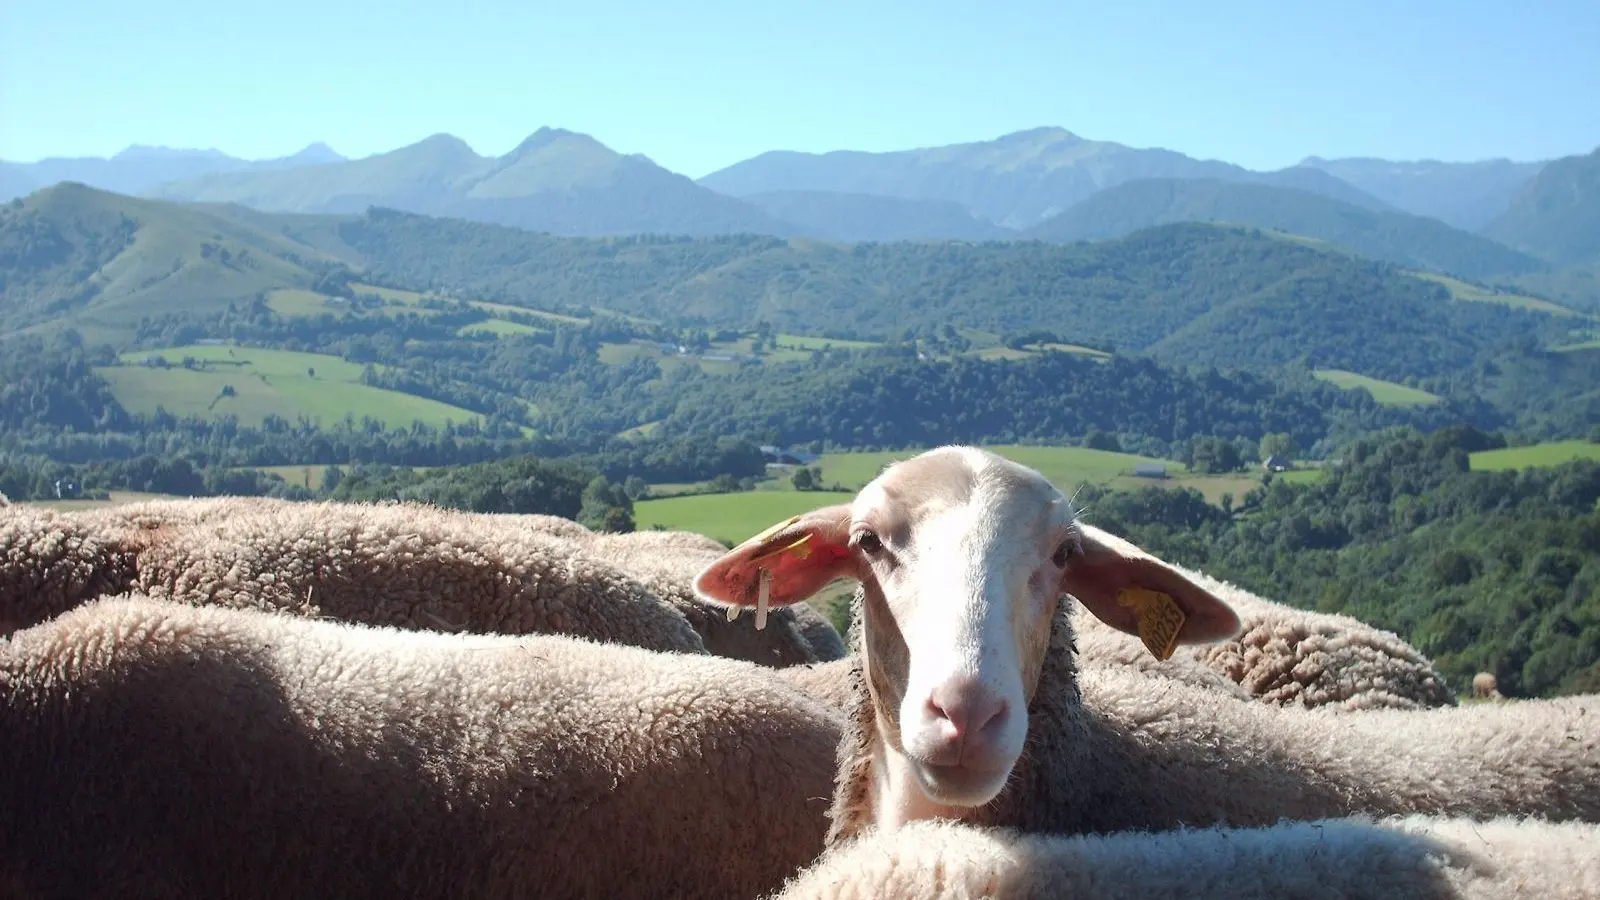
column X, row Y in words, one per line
column 546, row 136
column 1054, row 132
column 317, row 152
column 444, row 140
column 146, row 151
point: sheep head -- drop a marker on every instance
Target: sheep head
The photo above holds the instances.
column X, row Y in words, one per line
column 962, row 556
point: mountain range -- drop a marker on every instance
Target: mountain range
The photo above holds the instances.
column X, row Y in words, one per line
column 1497, row 219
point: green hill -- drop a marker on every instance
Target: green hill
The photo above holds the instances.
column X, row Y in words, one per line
column 1556, row 215
column 1189, row 293
column 1387, row 235
column 1193, row 293
column 102, row 261
column 864, row 217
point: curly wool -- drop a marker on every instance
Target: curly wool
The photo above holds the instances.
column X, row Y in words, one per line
column 1110, row 749
column 1293, row 657
column 1415, row 856
column 154, row 749
column 51, row 562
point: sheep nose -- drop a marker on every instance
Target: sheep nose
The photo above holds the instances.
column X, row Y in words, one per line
column 970, row 712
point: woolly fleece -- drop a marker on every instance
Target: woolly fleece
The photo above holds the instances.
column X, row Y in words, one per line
column 1411, row 857
column 406, row 566
column 161, row 750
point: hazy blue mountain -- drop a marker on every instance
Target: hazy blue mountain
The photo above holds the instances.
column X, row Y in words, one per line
column 140, row 168
column 556, row 180
column 1415, row 241
column 1557, row 214
column 865, row 217
column 1467, row 195
column 1015, row 181
column 14, row 181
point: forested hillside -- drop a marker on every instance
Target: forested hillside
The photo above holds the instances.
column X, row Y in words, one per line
column 1197, row 286
column 1483, row 571
column 1386, row 234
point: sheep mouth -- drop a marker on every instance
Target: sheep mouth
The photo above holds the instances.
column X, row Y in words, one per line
column 962, row 784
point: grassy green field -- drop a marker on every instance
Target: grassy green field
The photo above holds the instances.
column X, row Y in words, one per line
column 806, row 342
column 305, row 476
column 1580, row 346
column 497, row 328
column 265, row 382
column 1387, row 393
column 1471, row 293
column 399, row 296
column 1066, row 467
column 117, row 498
column 301, row 303
column 1551, row 454
column 730, row 518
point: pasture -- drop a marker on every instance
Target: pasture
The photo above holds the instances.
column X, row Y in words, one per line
column 1066, row 467
column 1387, row 393
column 1554, row 453
column 730, row 518
column 264, row 382
column 1471, row 293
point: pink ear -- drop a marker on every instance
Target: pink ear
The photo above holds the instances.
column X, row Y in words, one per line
column 1108, row 565
column 802, row 554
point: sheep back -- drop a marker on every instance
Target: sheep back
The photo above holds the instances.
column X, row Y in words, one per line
column 157, row 749
column 405, row 565
column 1416, row 856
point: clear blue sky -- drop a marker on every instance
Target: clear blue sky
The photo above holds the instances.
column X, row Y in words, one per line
column 699, row 85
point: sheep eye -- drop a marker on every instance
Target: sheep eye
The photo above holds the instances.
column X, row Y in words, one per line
column 1062, row 554
column 869, row 543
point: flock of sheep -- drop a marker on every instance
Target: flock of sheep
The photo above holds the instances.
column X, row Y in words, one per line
column 237, row 697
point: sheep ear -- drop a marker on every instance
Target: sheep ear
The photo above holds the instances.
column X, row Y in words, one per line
column 1132, row 591
column 801, row 555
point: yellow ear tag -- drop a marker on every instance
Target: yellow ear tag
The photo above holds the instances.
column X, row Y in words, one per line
column 1160, row 619
column 798, row 548
column 773, row 530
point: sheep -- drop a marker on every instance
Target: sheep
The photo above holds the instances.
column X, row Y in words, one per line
column 51, row 561
column 160, row 749
column 404, row 565
column 1294, row 657
column 664, row 562
column 1486, row 687
column 968, row 703
column 1414, row 856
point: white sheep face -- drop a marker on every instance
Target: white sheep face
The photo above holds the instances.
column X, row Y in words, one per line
column 963, row 556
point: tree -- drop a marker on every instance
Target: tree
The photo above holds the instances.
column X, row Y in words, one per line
column 606, row 507
column 636, row 488
column 1278, row 443
column 1102, row 440
column 803, row 479
column 1214, row 455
